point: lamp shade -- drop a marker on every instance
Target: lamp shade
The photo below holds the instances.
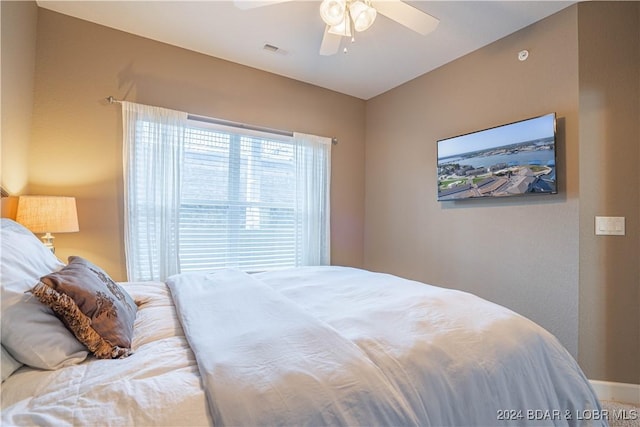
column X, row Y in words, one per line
column 362, row 14
column 333, row 11
column 48, row 214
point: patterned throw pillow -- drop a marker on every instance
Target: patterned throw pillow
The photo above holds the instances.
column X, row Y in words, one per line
column 96, row 309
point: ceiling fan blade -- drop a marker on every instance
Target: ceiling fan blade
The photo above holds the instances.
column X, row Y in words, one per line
column 407, row 15
column 330, row 43
column 252, row 4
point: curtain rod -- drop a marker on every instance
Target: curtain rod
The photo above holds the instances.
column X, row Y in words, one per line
column 334, row 140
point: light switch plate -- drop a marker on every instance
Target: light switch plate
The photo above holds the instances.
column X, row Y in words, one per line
column 610, row 226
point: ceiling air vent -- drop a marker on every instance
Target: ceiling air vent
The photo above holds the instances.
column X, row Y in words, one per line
column 274, row 49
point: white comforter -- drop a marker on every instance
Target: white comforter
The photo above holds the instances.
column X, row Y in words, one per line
column 341, row 346
column 313, row 346
column 266, row 361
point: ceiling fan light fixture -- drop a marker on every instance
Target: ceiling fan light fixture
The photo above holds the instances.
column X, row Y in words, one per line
column 333, row 11
column 362, row 14
column 342, row 29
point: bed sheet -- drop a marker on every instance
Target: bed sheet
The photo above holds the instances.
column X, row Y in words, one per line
column 158, row 385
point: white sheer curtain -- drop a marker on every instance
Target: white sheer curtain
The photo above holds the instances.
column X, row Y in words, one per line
column 152, row 153
column 313, row 172
column 163, row 197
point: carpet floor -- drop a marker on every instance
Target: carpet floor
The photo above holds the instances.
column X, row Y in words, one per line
column 621, row 414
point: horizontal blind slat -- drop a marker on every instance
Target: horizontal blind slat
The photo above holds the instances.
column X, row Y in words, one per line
column 237, row 203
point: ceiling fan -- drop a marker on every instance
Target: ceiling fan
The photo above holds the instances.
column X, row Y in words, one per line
column 345, row 17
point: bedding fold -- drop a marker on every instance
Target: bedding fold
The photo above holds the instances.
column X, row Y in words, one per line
column 265, row 361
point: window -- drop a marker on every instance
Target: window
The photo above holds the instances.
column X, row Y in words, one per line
column 202, row 196
column 238, row 202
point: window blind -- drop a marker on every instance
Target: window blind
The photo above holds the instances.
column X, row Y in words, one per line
column 237, row 205
column 202, row 196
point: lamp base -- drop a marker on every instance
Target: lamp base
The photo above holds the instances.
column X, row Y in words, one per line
column 47, row 240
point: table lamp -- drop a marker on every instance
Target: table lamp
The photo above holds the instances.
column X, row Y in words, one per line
column 48, row 214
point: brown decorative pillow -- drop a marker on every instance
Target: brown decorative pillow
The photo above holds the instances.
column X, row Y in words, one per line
column 94, row 307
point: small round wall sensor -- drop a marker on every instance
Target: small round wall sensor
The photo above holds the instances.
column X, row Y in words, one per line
column 523, row 55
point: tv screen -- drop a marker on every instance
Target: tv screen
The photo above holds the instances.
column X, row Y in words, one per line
column 509, row 160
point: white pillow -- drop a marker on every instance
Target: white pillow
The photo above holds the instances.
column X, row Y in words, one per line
column 30, row 330
column 9, row 364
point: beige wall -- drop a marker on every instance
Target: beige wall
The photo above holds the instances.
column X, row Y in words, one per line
column 76, row 147
column 609, row 181
column 536, row 255
column 19, row 24
column 522, row 253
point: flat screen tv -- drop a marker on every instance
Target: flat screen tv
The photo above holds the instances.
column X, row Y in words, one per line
column 513, row 159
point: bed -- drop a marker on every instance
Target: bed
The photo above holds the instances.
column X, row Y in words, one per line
column 307, row 346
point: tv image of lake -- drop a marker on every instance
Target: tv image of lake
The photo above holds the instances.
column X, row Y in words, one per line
column 521, row 158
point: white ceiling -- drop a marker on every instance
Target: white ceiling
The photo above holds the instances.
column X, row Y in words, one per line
column 383, row 57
